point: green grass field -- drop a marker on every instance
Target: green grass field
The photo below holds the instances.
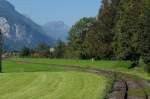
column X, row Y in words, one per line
column 9, row 66
column 52, row 85
column 23, row 79
column 121, row 66
column 83, row 63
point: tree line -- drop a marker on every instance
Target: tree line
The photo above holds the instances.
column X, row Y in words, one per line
column 43, row 50
column 121, row 31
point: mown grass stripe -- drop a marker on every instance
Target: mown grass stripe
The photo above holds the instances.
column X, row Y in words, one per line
column 54, row 85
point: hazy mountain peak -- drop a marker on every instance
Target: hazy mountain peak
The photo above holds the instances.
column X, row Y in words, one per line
column 4, row 4
column 57, row 30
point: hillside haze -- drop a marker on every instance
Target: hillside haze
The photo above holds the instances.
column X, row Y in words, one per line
column 57, row 30
column 19, row 30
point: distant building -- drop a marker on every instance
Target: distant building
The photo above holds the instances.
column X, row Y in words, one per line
column 5, row 55
column 52, row 50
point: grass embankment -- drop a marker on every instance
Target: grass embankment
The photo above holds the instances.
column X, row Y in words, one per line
column 52, row 85
column 121, row 66
column 9, row 66
column 83, row 63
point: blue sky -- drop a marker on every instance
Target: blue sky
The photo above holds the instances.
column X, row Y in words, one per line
column 69, row 11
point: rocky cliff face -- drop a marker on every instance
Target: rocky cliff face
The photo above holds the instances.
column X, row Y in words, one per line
column 19, row 30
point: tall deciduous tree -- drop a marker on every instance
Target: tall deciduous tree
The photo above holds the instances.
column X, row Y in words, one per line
column 129, row 27
column 145, row 36
column 76, row 37
column 106, row 21
column 97, row 43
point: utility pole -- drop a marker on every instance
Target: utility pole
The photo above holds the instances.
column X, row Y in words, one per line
column 1, row 50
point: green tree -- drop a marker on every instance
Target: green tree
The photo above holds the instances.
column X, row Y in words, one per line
column 43, row 50
column 25, row 51
column 76, row 37
column 129, row 27
column 97, row 43
column 145, row 37
column 59, row 49
column 100, row 36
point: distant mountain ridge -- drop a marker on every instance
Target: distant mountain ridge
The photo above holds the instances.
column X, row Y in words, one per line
column 19, row 30
column 57, row 30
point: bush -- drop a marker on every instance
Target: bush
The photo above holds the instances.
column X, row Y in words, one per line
column 146, row 59
column 147, row 67
column 134, row 64
column 43, row 50
column 25, row 51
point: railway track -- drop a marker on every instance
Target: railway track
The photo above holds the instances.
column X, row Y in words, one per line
column 129, row 88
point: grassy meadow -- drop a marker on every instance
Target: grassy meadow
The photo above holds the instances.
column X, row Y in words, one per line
column 52, row 85
column 35, row 81
column 114, row 65
column 37, row 78
column 10, row 66
column 83, row 63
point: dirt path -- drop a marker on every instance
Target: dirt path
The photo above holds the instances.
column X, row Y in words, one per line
column 124, row 87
